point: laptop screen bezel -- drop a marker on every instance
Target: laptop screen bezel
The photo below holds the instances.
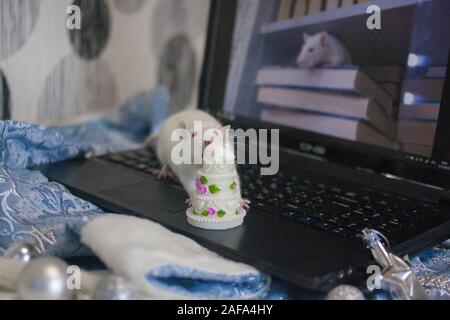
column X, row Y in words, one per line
column 379, row 160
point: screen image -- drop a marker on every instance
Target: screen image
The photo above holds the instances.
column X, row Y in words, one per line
column 332, row 68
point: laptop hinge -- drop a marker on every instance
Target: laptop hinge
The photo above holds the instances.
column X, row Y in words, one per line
column 444, row 195
column 418, row 183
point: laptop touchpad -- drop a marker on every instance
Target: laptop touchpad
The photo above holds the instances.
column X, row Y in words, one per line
column 149, row 193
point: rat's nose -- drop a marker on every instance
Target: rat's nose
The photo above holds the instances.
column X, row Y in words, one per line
column 207, row 142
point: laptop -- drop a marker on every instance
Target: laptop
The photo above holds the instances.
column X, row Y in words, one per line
column 304, row 223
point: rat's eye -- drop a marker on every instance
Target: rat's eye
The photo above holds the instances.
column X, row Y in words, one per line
column 311, row 50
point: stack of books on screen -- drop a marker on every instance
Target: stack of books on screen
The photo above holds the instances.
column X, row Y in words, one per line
column 342, row 102
column 417, row 118
column 389, row 77
column 289, row 9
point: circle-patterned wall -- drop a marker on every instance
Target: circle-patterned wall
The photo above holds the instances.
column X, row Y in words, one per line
column 174, row 11
column 177, row 68
column 91, row 39
column 91, row 89
column 17, row 21
column 53, row 74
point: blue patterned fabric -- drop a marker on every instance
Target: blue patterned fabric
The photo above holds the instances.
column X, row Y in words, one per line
column 23, row 145
column 197, row 284
column 33, row 207
column 433, row 272
column 125, row 130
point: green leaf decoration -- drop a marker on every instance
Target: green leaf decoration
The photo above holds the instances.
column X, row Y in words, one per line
column 203, row 180
column 233, row 185
column 214, row 188
column 205, row 213
column 237, row 212
column 220, row 213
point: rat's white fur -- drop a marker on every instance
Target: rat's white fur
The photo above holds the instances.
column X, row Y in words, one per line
column 186, row 173
column 322, row 49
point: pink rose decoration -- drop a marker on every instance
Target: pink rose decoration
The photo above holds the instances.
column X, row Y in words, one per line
column 200, row 187
column 198, row 184
column 212, row 211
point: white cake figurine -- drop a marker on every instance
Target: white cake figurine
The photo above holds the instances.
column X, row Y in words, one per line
column 217, row 203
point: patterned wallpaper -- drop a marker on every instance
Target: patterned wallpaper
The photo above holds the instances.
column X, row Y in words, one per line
column 50, row 74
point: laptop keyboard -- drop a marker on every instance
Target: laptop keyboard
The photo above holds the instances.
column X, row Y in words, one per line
column 142, row 160
column 342, row 211
column 307, row 200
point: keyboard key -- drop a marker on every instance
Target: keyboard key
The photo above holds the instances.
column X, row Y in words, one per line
column 355, row 227
column 341, row 204
column 350, row 194
column 265, row 206
column 288, row 214
column 336, row 190
column 140, row 166
column 396, row 224
column 303, row 219
column 291, row 206
column 346, row 200
column 317, row 215
column 322, row 226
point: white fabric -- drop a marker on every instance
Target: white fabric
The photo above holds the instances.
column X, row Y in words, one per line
column 131, row 247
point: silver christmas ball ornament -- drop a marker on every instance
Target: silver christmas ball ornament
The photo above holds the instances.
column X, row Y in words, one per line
column 21, row 250
column 114, row 288
column 345, row 292
column 44, row 278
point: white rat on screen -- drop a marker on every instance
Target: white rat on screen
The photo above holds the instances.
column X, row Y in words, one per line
column 186, row 173
column 322, row 49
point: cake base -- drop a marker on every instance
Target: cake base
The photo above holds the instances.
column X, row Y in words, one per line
column 215, row 223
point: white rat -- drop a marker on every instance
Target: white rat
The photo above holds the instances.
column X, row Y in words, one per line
column 186, row 173
column 322, row 49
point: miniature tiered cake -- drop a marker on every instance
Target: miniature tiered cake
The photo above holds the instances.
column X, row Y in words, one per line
column 217, row 203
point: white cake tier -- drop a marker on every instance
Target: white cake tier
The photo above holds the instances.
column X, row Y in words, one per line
column 227, row 184
column 219, row 169
column 226, row 222
column 216, row 206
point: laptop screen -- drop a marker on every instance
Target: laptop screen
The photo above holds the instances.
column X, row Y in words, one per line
column 369, row 72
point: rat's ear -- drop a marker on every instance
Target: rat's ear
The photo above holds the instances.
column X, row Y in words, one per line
column 323, row 37
column 306, row 36
column 181, row 125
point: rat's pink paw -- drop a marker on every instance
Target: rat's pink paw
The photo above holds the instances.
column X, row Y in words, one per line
column 245, row 204
column 162, row 173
